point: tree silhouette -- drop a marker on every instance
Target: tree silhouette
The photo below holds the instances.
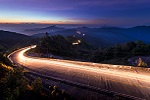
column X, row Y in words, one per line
column 37, row 85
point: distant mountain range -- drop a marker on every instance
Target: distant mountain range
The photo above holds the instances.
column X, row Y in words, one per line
column 49, row 29
column 104, row 36
column 101, row 37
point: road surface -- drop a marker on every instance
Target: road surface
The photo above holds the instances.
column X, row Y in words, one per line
column 121, row 79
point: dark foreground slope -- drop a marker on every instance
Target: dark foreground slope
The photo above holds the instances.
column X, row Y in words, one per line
column 11, row 40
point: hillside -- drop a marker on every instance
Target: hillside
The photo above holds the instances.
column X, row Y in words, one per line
column 105, row 36
column 94, row 36
column 13, row 35
column 139, row 33
column 9, row 40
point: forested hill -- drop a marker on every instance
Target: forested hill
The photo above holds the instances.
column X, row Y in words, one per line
column 12, row 35
column 12, row 40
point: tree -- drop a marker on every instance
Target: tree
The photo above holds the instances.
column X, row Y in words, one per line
column 15, row 84
column 141, row 48
column 141, row 63
column 37, row 85
column 46, row 34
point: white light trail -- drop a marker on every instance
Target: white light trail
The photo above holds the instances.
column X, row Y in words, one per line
column 72, row 66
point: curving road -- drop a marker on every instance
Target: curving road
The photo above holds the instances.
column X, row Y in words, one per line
column 121, row 79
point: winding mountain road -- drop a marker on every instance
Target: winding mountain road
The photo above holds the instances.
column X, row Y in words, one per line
column 121, row 79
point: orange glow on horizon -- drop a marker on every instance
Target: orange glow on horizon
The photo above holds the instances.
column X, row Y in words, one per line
column 9, row 21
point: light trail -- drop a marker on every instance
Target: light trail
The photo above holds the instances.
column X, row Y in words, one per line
column 64, row 64
column 83, row 70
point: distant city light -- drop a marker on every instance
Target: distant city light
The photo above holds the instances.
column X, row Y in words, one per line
column 78, row 32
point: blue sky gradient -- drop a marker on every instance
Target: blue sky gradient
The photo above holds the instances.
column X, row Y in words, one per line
column 103, row 12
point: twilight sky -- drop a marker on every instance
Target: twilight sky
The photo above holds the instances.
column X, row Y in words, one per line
column 103, row 12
